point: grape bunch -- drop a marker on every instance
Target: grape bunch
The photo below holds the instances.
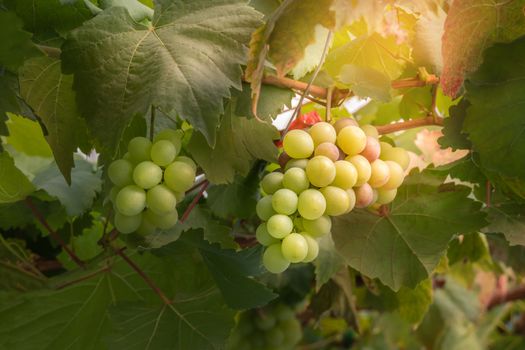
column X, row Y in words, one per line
column 148, row 182
column 273, row 328
column 328, row 170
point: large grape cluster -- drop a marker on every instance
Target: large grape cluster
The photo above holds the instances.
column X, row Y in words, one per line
column 148, row 182
column 328, row 170
column 274, row 327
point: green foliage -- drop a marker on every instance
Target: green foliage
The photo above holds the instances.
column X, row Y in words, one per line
column 14, row 186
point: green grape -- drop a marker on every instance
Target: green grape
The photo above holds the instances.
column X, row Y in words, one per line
column 296, row 163
column 370, row 130
column 179, row 196
column 311, row 204
column 364, row 170
column 296, row 180
column 163, row 152
column 292, row 330
column 385, row 196
column 352, row 198
column 147, row 174
column 127, row 224
column 320, row 171
column 161, row 200
column 351, row 140
column 313, row 248
column 329, row 150
column 264, row 208
column 165, row 221
column 385, row 146
column 146, row 227
column 294, row 247
column 179, row 176
column 337, row 200
column 364, row 196
column 322, row 132
column 131, row 200
column 273, row 259
column 120, row 172
column 343, row 123
column 272, row 182
column 188, row 161
column 279, row 226
column 257, row 341
column 345, row 174
column 113, row 194
column 274, row 337
column 265, row 322
column 284, row 201
column 372, row 149
column 398, row 155
column 298, row 144
column 318, row 227
column 397, row 175
column 263, row 237
column 380, row 174
column 283, row 312
column 173, row 136
column 139, row 149
column 127, row 156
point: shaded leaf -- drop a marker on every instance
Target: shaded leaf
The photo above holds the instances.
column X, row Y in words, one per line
column 272, row 101
column 509, row 220
column 328, row 262
column 453, row 134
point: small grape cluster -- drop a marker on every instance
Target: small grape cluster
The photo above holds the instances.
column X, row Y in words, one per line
column 149, row 181
column 274, row 327
column 328, row 170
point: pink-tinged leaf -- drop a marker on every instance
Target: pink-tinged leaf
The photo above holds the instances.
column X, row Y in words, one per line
column 472, row 26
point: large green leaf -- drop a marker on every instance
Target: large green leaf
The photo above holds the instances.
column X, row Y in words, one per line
column 25, row 136
column 472, row 26
column 8, row 100
column 51, row 95
column 187, row 60
column 507, row 219
column 136, row 9
column 14, row 186
column 404, row 246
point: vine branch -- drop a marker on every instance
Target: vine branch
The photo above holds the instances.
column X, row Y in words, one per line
column 195, row 200
column 501, row 298
column 409, row 124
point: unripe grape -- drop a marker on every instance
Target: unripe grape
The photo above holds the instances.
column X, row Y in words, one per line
column 294, row 248
column 265, row 322
column 313, row 248
column 311, row 204
column 272, row 182
column 113, row 194
column 397, row 175
column 352, row 198
column 284, row 201
column 179, row 176
column 329, row 150
column 370, row 130
column 147, row 174
column 298, row 144
column 165, row 221
column 322, row 132
column 127, row 156
column 398, row 155
column 364, row 196
column 161, row 200
column 163, row 152
column 279, row 226
column 296, row 180
column 274, row 337
column 296, row 163
column 318, row 227
column 292, row 329
column 139, row 149
column 343, row 123
column 263, row 237
column 380, row 173
column 127, row 224
column 120, row 172
column 386, row 196
column 283, row 312
column 320, row 171
column 273, row 259
column 385, row 146
column 337, row 200
column 351, row 140
column 264, row 208
column 372, row 149
column 131, row 200
column 364, row 170
column 179, row 196
column 188, row 161
column 345, row 174
column 173, row 136
column 146, row 227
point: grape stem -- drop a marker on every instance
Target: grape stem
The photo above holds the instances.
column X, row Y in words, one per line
column 52, row 233
column 83, row 278
column 195, row 200
column 499, row 298
column 409, row 124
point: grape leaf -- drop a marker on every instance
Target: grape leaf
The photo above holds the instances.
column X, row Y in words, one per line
column 78, row 196
column 25, row 135
column 403, row 247
column 365, row 82
column 14, row 186
column 427, row 49
column 312, row 54
column 507, row 219
column 186, row 60
column 453, row 134
column 272, row 101
column 416, row 103
column 137, row 10
column 328, row 261
column 8, row 100
column 472, row 246
column 472, row 26
column 239, row 142
column 51, row 95
column 15, row 44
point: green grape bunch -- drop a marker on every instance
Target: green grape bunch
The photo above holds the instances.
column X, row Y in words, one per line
column 149, row 181
column 274, row 327
column 328, row 171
